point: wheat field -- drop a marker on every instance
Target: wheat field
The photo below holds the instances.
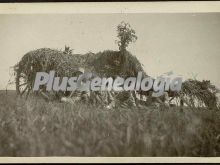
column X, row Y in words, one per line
column 34, row 127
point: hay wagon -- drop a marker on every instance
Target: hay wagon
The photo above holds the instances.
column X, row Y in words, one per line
column 107, row 63
column 43, row 60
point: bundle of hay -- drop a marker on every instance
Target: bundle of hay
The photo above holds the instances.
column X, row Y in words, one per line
column 44, row 60
column 200, row 93
column 116, row 63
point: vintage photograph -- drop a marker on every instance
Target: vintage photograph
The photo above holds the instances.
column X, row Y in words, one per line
column 110, row 85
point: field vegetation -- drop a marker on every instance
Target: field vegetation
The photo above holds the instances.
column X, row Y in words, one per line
column 34, row 127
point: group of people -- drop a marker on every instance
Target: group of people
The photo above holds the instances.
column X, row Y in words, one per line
column 114, row 99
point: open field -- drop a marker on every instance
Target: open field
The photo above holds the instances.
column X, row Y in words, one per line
column 38, row 128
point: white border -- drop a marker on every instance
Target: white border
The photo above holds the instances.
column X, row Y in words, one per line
column 109, row 159
column 110, row 7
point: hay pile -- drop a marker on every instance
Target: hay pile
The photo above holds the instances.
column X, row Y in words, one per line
column 104, row 64
column 107, row 63
column 200, row 92
column 115, row 63
column 46, row 59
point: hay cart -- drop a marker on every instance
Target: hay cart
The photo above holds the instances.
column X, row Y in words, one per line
column 43, row 60
column 107, row 63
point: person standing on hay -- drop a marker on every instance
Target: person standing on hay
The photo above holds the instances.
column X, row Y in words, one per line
column 126, row 35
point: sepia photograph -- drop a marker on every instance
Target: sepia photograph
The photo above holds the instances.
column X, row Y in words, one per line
column 109, row 84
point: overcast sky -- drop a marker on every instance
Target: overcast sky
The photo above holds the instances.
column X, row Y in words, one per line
column 187, row 44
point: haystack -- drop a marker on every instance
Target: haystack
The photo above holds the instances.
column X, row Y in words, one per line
column 115, row 63
column 107, row 63
column 202, row 93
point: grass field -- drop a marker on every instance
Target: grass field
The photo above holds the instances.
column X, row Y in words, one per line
column 38, row 128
